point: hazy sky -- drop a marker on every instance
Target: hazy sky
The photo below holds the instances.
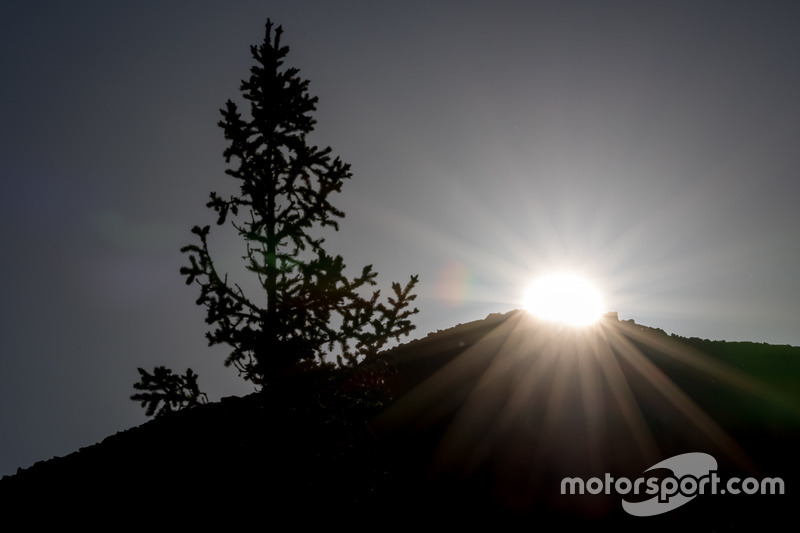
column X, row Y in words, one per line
column 651, row 146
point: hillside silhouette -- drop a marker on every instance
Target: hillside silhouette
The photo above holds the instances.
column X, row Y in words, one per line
column 479, row 421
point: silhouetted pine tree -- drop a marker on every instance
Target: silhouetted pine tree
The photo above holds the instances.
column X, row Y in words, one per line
column 312, row 308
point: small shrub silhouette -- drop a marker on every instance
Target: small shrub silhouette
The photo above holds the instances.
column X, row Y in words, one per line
column 172, row 392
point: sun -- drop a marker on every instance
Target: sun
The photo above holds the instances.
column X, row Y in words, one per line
column 564, row 298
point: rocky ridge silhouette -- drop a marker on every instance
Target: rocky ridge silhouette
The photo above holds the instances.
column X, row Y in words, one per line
column 479, row 421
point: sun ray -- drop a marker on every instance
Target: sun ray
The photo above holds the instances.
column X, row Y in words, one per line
column 530, row 400
column 682, row 403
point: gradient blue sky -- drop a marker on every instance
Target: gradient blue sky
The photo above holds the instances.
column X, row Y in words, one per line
column 651, row 146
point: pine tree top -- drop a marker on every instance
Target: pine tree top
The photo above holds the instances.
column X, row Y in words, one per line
column 314, row 311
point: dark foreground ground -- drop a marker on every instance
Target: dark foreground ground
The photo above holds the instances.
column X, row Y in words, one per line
column 478, row 424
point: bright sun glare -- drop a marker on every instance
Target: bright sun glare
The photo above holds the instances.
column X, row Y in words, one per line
column 564, row 298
